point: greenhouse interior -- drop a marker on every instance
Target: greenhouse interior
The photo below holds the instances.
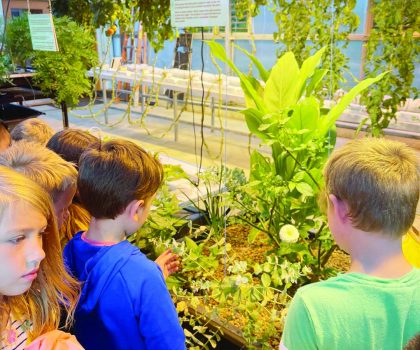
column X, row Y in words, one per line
column 210, row 174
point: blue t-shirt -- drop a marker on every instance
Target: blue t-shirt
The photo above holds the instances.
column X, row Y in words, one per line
column 124, row 302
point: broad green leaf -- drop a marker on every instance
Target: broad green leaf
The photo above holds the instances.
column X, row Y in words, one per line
column 249, row 100
column 305, row 115
column 299, row 176
column 257, row 268
column 266, row 280
column 253, row 233
column 253, row 118
column 316, row 79
column 191, row 244
column 260, row 166
column 336, row 111
column 219, row 52
column 275, row 277
column 264, row 74
column 307, row 70
column 305, row 189
column 280, row 90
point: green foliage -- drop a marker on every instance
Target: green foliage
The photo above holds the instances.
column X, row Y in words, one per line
column 5, row 68
column 153, row 14
column 392, row 47
column 60, row 75
column 164, row 220
column 305, row 26
column 18, row 40
column 286, row 116
column 78, row 10
column 215, row 200
column 278, row 202
column 247, row 7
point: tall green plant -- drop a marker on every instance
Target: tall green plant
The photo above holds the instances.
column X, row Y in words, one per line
column 392, row 46
column 287, row 116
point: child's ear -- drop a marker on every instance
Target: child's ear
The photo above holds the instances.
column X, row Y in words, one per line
column 133, row 208
column 339, row 207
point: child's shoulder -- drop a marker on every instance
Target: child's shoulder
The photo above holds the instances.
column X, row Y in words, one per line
column 346, row 284
column 140, row 266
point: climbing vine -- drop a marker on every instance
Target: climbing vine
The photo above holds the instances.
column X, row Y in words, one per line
column 244, row 8
column 153, row 14
column 306, row 26
column 392, row 46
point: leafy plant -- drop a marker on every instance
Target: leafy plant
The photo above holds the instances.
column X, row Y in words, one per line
column 62, row 74
column 287, row 116
column 391, row 46
column 5, row 69
column 154, row 16
column 18, row 40
column 215, row 196
column 248, row 7
column 305, row 26
column 164, row 221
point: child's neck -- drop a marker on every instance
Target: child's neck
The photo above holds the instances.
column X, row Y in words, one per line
column 378, row 255
column 105, row 230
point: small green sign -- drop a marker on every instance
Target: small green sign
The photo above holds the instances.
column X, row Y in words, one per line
column 43, row 32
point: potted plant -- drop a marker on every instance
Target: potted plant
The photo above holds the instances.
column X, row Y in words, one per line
column 60, row 75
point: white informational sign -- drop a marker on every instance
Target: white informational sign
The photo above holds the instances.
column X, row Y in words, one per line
column 43, row 32
column 199, row 13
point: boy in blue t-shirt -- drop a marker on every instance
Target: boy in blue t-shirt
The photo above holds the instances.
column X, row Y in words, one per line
column 124, row 303
column 372, row 191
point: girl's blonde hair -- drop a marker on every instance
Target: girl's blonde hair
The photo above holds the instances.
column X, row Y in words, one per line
column 42, row 165
column 54, row 289
column 33, row 130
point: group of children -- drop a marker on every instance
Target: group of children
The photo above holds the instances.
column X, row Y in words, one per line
column 68, row 201
column 121, row 296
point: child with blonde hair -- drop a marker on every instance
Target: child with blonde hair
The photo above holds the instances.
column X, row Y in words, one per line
column 372, row 191
column 33, row 130
column 70, row 144
column 48, row 169
column 34, row 285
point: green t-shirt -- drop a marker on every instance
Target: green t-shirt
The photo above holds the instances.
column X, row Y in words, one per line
column 354, row 311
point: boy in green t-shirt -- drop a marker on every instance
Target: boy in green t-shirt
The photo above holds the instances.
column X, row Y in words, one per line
column 372, row 190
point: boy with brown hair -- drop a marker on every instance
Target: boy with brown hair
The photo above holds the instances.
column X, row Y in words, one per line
column 372, row 190
column 124, row 304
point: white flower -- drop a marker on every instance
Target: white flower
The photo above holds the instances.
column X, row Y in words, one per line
column 289, row 234
column 241, row 280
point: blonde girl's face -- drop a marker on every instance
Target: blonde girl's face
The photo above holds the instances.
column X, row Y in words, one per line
column 21, row 230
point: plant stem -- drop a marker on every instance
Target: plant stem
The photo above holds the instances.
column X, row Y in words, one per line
column 301, row 166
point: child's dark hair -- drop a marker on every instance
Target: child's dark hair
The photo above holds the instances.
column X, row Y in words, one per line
column 414, row 343
column 114, row 173
column 71, row 143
